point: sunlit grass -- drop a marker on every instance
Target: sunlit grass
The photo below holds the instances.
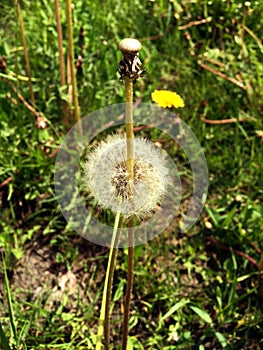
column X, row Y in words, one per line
column 216, row 67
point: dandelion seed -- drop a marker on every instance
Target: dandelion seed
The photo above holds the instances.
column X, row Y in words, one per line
column 106, row 177
column 168, row 99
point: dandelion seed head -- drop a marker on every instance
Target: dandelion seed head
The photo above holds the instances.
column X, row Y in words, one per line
column 106, row 176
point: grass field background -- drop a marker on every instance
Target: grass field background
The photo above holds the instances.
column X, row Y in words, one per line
column 197, row 290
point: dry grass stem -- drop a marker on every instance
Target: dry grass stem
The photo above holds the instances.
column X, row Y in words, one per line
column 28, row 71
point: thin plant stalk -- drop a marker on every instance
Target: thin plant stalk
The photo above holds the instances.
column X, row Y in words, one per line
column 107, row 284
column 260, row 278
column 61, row 57
column 109, row 293
column 130, row 164
column 108, row 299
column 10, row 305
column 72, row 65
column 129, row 287
column 60, row 45
column 129, row 125
column 28, row 70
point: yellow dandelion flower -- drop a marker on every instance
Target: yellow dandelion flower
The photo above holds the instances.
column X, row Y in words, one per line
column 168, row 99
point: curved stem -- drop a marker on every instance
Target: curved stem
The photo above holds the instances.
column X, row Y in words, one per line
column 109, row 291
column 107, row 284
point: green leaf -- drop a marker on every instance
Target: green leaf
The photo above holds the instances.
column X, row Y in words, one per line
column 201, row 313
column 18, row 252
column 134, row 343
column 129, row 344
column 222, row 340
column 187, row 335
column 174, row 308
column 119, row 292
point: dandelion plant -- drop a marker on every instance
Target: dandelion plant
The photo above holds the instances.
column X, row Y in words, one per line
column 127, row 176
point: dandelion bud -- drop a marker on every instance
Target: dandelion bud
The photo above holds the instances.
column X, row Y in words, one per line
column 130, row 46
column 130, row 65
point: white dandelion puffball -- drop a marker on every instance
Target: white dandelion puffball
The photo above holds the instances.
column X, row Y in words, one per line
column 107, row 180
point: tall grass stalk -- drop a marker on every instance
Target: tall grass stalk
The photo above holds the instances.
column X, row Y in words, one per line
column 10, row 307
column 72, row 65
column 62, row 72
column 28, row 70
column 60, row 45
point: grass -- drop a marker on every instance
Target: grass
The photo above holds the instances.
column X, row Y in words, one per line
column 199, row 290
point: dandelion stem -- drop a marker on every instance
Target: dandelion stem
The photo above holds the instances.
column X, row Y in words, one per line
column 130, row 165
column 109, row 288
column 107, row 284
column 129, row 286
column 129, row 125
column 130, row 69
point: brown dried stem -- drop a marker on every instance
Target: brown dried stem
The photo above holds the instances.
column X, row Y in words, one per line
column 28, row 71
column 237, row 252
column 61, row 57
column 222, row 121
column 72, row 65
column 222, row 75
column 60, row 45
column 22, row 99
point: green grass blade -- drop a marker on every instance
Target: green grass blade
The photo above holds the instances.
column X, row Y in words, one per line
column 10, row 305
column 174, row 308
column 201, row 313
column 3, row 339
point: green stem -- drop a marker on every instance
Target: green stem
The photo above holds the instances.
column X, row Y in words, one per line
column 107, row 284
column 109, row 292
column 130, row 165
column 260, row 278
column 9, row 299
column 129, row 125
column 72, row 65
column 128, row 294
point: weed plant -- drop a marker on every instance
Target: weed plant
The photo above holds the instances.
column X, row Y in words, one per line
column 199, row 290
